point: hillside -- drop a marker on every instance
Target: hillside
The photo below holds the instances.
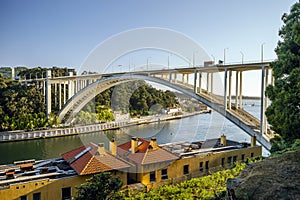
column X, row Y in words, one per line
column 277, row 177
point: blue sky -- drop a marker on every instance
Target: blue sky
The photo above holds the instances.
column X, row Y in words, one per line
column 62, row 33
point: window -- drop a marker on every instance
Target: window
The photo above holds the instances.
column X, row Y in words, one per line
column 66, row 193
column 23, row 197
column 252, row 155
column 229, row 160
column 201, row 167
column 206, row 166
column 152, row 176
column 243, row 157
column 223, row 162
column 164, row 174
column 186, row 169
column 37, row 196
column 234, row 159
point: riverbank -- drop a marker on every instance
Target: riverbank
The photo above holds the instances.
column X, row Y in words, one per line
column 14, row 136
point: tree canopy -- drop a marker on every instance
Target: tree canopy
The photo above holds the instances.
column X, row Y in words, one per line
column 99, row 187
column 284, row 112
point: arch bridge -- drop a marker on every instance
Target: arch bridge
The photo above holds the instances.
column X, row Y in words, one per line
column 72, row 93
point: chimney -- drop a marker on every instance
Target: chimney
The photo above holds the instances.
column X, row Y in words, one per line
column 153, row 142
column 134, row 144
column 223, row 140
column 113, row 146
column 253, row 141
column 101, row 149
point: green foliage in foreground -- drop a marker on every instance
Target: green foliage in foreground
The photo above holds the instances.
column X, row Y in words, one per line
column 284, row 112
column 207, row 187
column 99, row 187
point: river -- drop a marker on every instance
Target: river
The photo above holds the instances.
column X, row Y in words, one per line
column 195, row 128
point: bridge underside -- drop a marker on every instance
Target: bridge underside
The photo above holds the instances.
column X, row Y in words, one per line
column 78, row 101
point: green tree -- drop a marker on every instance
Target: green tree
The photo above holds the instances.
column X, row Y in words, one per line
column 284, row 112
column 99, row 187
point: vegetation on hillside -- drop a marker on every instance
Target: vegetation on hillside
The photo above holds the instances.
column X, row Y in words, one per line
column 22, row 104
column 284, row 112
column 206, row 187
column 136, row 98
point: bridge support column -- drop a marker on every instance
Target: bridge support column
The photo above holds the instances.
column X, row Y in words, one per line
column 70, row 86
column 207, row 83
column 55, row 95
column 187, row 78
column 200, row 82
column 262, row 106
column 195, row 81
column 170, row 77
column 64, row 89
column 59, row 95
column 212, row 82
column 236, row 89
column 48, row 93
column 175, row 77
column 44, row 91
column 266, row 101
column 225, row 89
column 182, row 78
column 241, row 91
column 229, row 98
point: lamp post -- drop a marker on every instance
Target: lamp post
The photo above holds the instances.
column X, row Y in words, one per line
column 225, row 55
column 242, row 57
column 262, row 52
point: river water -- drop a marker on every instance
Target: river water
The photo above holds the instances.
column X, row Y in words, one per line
column 195, row 128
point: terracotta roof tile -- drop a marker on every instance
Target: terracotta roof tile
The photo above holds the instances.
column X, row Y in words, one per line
column 145, row 155
column 92, row 162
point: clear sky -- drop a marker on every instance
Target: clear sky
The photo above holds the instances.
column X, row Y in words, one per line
column 63, row 32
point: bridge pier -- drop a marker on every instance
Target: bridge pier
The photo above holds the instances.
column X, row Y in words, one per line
column 264, row 81
column 236, row 89
column 200, row 82
column 59, row 94
column 70, row 86
column 48, row 93
column 225, row 89
column 212, row 83
column 195, row 81
column 229, row 98
column 241, row 90
column 64, row 89
column 207, row 82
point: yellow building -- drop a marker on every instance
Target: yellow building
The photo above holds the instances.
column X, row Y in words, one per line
column 57, row 178
column 137, row 161
column 175, row 162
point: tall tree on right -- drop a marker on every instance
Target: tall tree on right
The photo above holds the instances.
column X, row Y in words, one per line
column 284, row 112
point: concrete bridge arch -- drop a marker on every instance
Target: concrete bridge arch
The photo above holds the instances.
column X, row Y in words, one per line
column 80, row 99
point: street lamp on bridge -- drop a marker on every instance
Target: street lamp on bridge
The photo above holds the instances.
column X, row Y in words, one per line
column 242, row 57
column 262, row 51
column 225, row 55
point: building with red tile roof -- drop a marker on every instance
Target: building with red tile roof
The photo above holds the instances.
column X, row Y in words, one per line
column 92, row 159
column 143, row 152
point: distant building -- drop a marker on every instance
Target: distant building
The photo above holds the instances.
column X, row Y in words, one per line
column 139, row 163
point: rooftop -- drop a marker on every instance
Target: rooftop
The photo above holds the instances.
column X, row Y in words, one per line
column 146, row 153
column 90, row 159
column 211, row 145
